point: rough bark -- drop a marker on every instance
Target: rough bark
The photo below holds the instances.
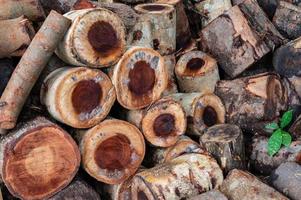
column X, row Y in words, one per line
column 240, row 37
column 296, row 82
column 140, row 78
column 241, row 185
column 32, row 9
column 265, row 164
column 15, row 41
column 79, row 97
column 38, row 159
column 61, row 6
column 96, row 38
column 112, row 151
column 287, row 59
column 253, row 101
column 170, row 63
column 183, row 177
column 210, row 195
column 202, row 111
column 29, row 68
column 197, row 72
column 225, row 142
column 287, row 178
column 162, row 123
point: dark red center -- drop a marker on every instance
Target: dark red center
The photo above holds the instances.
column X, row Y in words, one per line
column 164, row 125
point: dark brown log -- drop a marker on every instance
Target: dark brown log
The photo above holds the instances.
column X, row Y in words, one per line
column 287, row 20
column 210, row 195
column 61, row 6
column 287, row 179
column 240, row 37
column 225, row 142
column 265, row 164
column 38, row 159
column 241, row 185
column 287, row 59
column 253, row 101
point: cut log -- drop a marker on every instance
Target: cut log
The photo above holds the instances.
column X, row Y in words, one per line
column 225, row 142
column 296, row 82
column 240, row 37
column 202, row 111
column 78, row 190
column 161, row 123
column 15, row 41
column 253, row 101
column 183, row 177
column 38, row 159
column 287, row 178
column 184, row 145
column 287, row 20
column 140, row 78
column 197, row 72
column 283, row 62
column 156, row 28
column 211, row 9
column 96, row 38
column 265, row 164
column 80, row 97
column 112, row 151
column 241, row 185
column 32, row 9
column 170, row 63
column 61, row 6
column 30, row 67
column 210, row 195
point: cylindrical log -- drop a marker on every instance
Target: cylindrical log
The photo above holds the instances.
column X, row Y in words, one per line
column 265, row 164
column 61, row 6
column 78, row 190
column 96, row 38
column 283, row 62
column 241, row 185
column 112, row 151
column 80, row 97
column 140, row 78
column 15, row 41
column 286, row 179
column 210, row 195
column 211, row 9
column 253, row 101
column 183, row 177
column 202, row 111
column 240, row 37
column 32, row 9
column 155, row 28
column 293, row 99
column 29, row 68
column 161, row 123
column 287, row 20
column 170, row 63
column 38, row 159
column 296, row 82
column 197, row 72
column 225, row 142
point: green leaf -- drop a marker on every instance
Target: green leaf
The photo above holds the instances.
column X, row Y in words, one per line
column 274, row 143
column 286, row 118
column 286, row 138
column 272, row 126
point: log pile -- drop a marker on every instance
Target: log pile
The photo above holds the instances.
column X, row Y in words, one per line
column 150, row 99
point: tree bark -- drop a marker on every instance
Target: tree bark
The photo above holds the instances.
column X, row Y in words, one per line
column 29, row 68
column 112, row 151
column 183, row 177
column 170, row 63
column 240, row 37
column 210, row 195
column 96, row 38
column 79, row 97
column 15, row 41
column 225, row 142
column 202, row 111
column 140, row 78
column 241, row 185
column 197, row 72
column 61, row 6
column 253, row 101
column 38, row 159
column 296, row 82
column 286, row 179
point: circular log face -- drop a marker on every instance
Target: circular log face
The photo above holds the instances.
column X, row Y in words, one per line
column 40, row 163
column 112, row 151
column 209, row 116
column 140, row 78
column 194, row 65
